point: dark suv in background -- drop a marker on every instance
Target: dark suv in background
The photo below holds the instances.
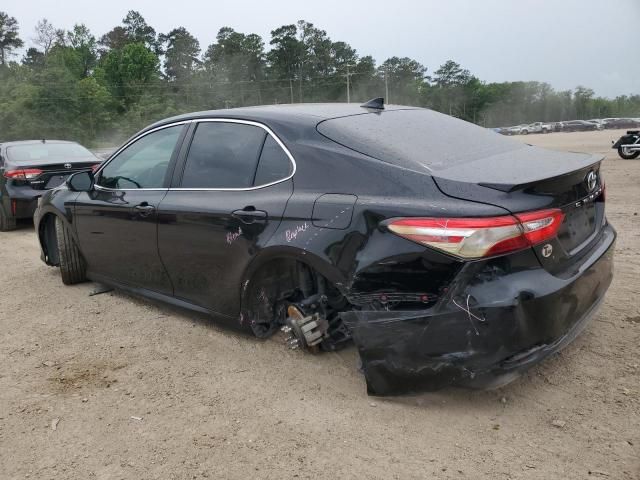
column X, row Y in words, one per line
column 28, row 168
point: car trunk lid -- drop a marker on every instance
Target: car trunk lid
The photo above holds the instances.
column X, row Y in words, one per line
column 53, row 174
column 537, row 179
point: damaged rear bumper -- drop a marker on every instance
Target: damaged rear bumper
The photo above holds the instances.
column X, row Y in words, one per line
column 491, row 326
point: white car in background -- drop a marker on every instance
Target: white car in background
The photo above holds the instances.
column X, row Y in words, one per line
column 536, row 127
column 515, row 130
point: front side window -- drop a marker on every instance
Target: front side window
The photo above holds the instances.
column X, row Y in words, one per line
column 144, row 163
column 223, row 155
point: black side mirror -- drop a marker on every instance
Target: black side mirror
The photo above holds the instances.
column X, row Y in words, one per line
column 80, row 182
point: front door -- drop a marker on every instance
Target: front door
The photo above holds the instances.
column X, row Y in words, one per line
column 117, row 221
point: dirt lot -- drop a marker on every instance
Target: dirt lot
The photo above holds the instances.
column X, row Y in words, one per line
column 109, row 386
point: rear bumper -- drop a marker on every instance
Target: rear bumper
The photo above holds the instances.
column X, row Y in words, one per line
column 21, row 202
column 491, row 326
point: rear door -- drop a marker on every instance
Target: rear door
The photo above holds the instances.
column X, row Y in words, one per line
column 117, row 222
column 227, row 200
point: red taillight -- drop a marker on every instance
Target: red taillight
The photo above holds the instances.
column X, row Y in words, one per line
column 481, row 237
column 23, row 173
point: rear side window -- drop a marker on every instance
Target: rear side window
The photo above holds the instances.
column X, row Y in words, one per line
column 223, row 155
column 274, row 163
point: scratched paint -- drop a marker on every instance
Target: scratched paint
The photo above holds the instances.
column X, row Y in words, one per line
column 471, row 315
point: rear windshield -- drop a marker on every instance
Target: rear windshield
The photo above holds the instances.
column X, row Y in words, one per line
column 417, row 139
column 47, row 151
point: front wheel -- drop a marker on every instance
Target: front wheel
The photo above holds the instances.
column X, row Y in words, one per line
column 627, row 155
column 72, row 266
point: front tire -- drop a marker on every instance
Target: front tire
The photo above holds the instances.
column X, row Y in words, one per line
column 72, row 265
column 7, row 223
column 627, row 156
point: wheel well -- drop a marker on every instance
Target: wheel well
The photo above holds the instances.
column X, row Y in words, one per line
column 272, row 282
column 48, row 241
column 283, row 281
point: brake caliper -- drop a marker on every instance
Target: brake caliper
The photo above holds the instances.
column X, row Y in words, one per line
column 304, row 332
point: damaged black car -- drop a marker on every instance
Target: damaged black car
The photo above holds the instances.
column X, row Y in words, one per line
column 447, row 253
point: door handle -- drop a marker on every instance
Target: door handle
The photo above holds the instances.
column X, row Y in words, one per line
column 250, row 215
column 144, row 209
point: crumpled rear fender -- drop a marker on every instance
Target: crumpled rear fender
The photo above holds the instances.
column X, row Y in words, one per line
column 492, row 324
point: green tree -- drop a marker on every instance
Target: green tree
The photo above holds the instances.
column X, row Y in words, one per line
column 235, row 56
column 114, row 39
column 137, row 30
column 181, row 54
column 583, row 100
column 9, row 39
column 83, row 43
column 34, row 58
column 405, row 78
column 93, row 107
column 451, row 74
column 286, row 53
column 130, row 71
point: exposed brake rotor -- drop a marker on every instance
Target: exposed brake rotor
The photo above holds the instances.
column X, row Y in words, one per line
column 304, row 332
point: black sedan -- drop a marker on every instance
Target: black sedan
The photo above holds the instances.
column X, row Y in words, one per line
column 446, row 252
column 578, row 126
column 29, row 168
column 621, row 123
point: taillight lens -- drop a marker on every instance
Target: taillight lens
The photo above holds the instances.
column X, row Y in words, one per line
column 23, row 173
column 481, row 237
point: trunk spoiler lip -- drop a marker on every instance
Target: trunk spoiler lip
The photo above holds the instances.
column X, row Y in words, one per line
column 595, row 160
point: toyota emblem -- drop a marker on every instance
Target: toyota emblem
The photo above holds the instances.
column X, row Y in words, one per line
column 67, row 166
column 592, row 181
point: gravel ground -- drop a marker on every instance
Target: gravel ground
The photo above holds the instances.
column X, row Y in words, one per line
column 109, row 386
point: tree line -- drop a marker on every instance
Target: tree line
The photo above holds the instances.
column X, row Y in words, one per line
column 72, row 84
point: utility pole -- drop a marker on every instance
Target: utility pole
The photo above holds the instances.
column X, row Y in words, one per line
column 300, row 82
column 348, row 83
column 291, row 88
column 386, row 85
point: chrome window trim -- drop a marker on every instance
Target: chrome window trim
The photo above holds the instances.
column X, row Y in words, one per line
column 202, row 120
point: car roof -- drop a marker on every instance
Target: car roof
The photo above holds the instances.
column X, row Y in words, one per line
column 309, row 114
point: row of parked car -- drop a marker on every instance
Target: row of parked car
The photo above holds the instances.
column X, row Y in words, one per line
column 569, row 126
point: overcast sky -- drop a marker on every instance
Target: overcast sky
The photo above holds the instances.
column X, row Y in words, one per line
column 567, row 43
